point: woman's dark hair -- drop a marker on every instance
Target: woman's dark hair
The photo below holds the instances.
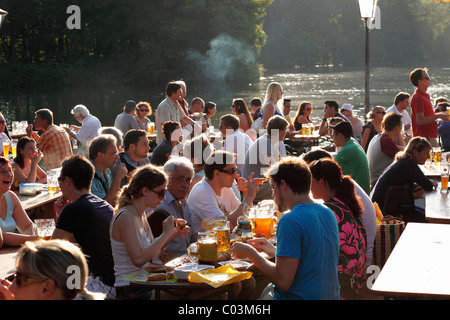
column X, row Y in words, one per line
column 20, row 146
column 168, row 128
column 208, row 106
column 241, row 107
column 343, row 186
column 301, row 110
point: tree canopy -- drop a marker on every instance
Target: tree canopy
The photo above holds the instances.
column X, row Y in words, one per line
column 151, row 42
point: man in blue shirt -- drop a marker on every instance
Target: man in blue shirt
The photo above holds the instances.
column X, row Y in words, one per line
column 103, row 156
column 307, row 239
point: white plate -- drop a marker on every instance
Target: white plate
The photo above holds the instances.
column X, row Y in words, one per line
column 183, row 271
column 237, row 264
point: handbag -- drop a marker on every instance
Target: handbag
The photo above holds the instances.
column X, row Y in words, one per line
column 386, row 236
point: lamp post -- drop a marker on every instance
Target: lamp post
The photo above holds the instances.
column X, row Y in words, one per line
column 3, row 14
column 367, row 10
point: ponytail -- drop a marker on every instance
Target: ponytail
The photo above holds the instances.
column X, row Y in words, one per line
column 342, row 186
column 124, row 198
column 346, row 193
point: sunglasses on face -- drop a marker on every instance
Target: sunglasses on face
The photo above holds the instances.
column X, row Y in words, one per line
column 229, row 171
column 161, row 194
column 23, row 280
column 143, row 110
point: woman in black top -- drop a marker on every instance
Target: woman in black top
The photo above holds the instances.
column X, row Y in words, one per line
column 403, row 181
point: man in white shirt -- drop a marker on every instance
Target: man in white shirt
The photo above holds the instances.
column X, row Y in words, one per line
column 212, row 197
column 235, row 141
column 90, row 126
column 170, row 109
column 401, row 102
column 264, row 152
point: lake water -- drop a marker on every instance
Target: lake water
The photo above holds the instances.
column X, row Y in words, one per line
column 315, row 86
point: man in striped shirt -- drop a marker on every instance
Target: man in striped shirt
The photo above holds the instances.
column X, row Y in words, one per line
column 54, row 142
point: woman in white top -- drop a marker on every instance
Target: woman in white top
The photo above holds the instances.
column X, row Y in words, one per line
column 25, row 165
column 12, row 214
column 273, row 101
column 132, row 241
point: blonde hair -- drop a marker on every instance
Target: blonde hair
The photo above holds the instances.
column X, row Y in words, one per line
column 51, row 259
column 148, row 176
column 372, row 113
column 416, row 143
column 272, row 96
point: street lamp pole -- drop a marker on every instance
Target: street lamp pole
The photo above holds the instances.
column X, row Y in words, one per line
column 367, row 72
column 367, row 9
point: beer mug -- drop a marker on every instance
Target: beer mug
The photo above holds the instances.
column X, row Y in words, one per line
column 207, row 248
column 44, row 228
column 52, row 180
column 437, row 154
column 444, row 177
column 222, row 230
column 265, row 222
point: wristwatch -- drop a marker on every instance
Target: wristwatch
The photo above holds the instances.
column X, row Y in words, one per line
column 245, row 204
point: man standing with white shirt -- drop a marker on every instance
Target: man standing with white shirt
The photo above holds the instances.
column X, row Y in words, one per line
column 90, row 126
column 170, row 109
column 401, row 102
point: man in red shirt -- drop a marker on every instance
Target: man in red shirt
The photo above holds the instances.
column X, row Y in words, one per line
column 423, row 117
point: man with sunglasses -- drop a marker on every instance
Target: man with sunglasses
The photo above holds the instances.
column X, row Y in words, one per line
column 85, row 219
column 423, row 117
column 213, row 198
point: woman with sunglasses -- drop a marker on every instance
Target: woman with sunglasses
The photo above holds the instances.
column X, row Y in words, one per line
column 303, row 115
column 143, row 111
column 132, row 241
column 338, row 193
column 12, row 214
column 44, row 270
column 372, row 128
column 403, row 181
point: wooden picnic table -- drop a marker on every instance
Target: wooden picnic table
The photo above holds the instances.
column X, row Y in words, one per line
column 432, row 170
column 418, row 265
column 8, row 261
column 437, row 206
column 41, row 199
column 299, row 137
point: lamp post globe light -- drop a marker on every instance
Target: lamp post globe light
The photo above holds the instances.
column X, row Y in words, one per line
column 3, row 14
column 367, row 9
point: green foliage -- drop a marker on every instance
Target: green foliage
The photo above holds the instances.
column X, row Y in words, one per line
column 303, row 33
column 139, row 41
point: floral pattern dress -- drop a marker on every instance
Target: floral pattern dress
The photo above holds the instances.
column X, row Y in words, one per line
column 352, row 240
